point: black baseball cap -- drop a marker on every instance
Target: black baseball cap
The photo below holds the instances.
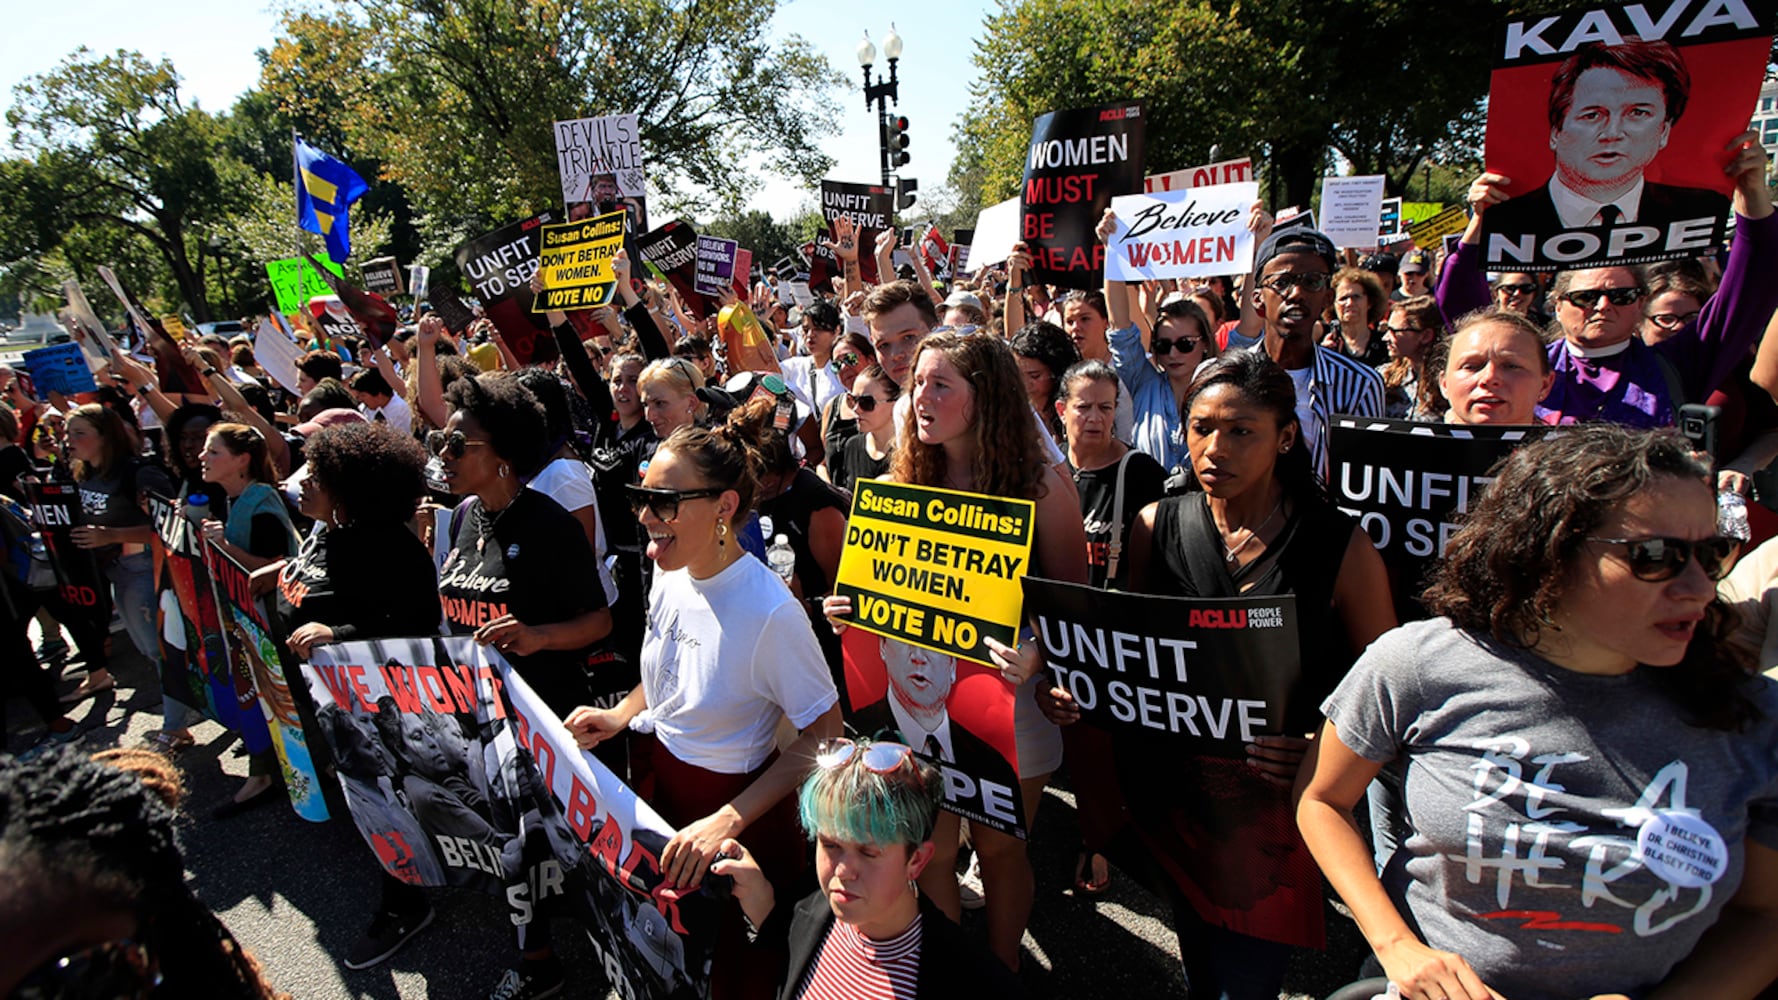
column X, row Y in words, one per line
column 1296, row 240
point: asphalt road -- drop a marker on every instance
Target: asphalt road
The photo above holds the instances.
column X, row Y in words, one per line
column 299, row 894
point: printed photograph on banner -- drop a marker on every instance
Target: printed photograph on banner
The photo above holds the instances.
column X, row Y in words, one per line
column 1350, row 209
column 1410, row 483
column 955, row 713
column 871, row 207
column 499, row 266
column 1077, row 161
column 228, row 582
column 936, row 568
column 194, row 660
column 1221, row 172
column 1192, row 682
column 600, row 164
column 576, row 261
column 1201, row 232
column 1612, row 124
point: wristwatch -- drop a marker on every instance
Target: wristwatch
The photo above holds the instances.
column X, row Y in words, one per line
column 209, row 372
column 142, row 390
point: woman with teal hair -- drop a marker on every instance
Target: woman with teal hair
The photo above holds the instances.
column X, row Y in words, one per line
column 870, row 808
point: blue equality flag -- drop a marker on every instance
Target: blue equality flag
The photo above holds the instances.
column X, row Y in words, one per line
column 325, row 188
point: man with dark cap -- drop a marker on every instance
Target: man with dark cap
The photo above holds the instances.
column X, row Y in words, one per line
column 1386, row 266
column 1416, row 275
column 1294, row 273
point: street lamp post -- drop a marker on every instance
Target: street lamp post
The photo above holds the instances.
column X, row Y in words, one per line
column 892, row 140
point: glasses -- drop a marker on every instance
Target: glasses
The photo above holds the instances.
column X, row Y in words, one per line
column 1656, row 560
column 1386, row 328
column 1672, row 321
column 963, row 330
column 452, row 443
column 878, row 757
column 1184, row 345
column 1312, row 282
column 123, row 968
column 845, row 360
column 865, row 404
column 1516, row 288
column 1587, row 298
column 663, row 504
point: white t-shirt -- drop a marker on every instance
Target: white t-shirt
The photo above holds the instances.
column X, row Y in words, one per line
column 722, row 660
column 814, row 384
column 396, row 413
column 569, row 482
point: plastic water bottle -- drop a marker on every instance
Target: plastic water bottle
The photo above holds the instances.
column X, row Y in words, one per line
column 1731, row 516
column 782, row 558
column 197, row 508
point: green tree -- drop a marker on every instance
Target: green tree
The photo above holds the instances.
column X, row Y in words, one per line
column 456, row 98
column 110, row 145
column 1383, row 82
column 757, row 231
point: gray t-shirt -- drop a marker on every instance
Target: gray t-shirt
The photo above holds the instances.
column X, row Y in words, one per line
column 1529, row 789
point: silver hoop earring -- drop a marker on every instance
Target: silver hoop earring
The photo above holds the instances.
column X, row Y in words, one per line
column 503, row 472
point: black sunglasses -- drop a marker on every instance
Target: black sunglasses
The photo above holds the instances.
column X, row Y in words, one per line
column 1587, row 298
column 1184, row 345
column 663, row 504
column 865, row 404
column 452, row 443
column 1312, row 282
column 1386, row 328
column 844, row 360
column 120, row 968
column 1516, row 288
column 1660, row 559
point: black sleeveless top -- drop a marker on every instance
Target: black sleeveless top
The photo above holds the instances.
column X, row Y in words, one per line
column 1303, row 560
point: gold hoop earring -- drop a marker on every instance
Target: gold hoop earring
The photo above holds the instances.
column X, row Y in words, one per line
column 721, row 534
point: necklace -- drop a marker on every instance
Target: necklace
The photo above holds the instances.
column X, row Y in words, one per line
column 484, row 524
column 1234, row 554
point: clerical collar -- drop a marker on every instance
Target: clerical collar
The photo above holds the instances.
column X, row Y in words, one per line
column 1578, row 351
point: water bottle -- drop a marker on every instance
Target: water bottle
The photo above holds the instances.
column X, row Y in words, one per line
column 197, row 508
column 782, row 558
column 1731, row 516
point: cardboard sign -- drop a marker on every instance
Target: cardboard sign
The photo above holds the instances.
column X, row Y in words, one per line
column 957, row 715
column 277, row 353
column 1415, row 211
column 86, row 328
column 936, row 568
column 1613, row 122
column 382, row 276
column 1077, row 161
column 295, row 281
column 1221, row 172
column 1350, row 208
column 499, row 266
column 59, row 368
column 600, row 163
column 996, row 233
column 1448, row 222
column 576, row 263
column 1182, row 234
column 715, row 269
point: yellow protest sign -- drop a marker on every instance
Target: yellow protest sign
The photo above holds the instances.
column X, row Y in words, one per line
column 1427, row 232
column 174, row 326
column 936, row 568
column 575, row 262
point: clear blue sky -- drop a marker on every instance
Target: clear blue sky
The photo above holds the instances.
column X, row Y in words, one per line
column 212, row 45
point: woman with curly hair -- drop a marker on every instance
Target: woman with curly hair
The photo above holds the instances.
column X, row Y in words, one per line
column 970, row 428
column 520, row 576
column 1360, row 303
column 1043, row 352
column 95, row 902
column 1575, row 706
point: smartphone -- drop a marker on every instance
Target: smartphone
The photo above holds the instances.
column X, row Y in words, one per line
column 1698, row 423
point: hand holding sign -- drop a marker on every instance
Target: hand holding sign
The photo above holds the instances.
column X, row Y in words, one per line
column 1747, row 165
column 1422, row 971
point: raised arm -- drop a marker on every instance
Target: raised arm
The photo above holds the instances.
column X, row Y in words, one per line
column 237, row 404
column 432, row 402
column 1462, row 287
column 1259, row 223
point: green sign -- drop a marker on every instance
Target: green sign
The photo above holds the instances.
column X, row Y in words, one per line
column 295, row 281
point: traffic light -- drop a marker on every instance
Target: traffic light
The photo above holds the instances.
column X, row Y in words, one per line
column 898, row 140
column 904, row 193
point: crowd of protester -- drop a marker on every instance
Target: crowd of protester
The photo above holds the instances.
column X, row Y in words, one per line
column 1174, row 438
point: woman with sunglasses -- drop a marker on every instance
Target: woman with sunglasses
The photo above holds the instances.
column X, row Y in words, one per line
column 1517, row 291
column 852, row 354
column 866, row 454
column 520, row 574
column 1156, row 381
column 1590, row 785
column 1414, row 326
column 970, row 428
column 1602, row 371
column 729, row 653
column 870, row 809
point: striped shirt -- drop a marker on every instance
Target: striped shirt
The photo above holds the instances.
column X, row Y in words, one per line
column 1338, row 384
column 851, row 966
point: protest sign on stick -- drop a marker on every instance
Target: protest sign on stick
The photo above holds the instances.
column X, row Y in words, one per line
column 456, row 773
column 1077, row 161
column 295, row 281
column 600, row 163
column 1193, row 682
column 1193, row 233
column 671, row 252
column 1350, row 209
column 715, row 264
column 499, row 266
column 1612, row 125
column 577, row 263
column 1221, row 172
column 936, row 568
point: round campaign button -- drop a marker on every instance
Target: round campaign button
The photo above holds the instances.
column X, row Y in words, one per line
column 1681, row 848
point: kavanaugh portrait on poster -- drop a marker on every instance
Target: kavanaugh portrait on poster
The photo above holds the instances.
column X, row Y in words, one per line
column 1611, row 125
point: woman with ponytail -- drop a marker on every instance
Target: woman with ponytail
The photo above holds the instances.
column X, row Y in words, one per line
column 728, row 652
